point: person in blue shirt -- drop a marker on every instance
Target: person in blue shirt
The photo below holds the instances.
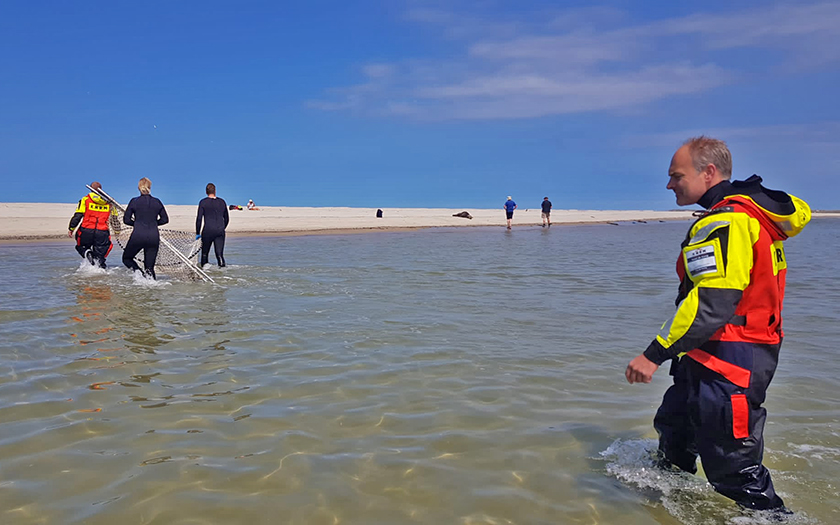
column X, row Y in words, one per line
column 509, row 207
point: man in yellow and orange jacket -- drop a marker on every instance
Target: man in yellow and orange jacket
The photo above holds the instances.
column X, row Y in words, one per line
column 725, row 336
column 93, row 239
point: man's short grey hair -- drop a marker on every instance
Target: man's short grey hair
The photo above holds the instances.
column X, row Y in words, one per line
column 706, row 150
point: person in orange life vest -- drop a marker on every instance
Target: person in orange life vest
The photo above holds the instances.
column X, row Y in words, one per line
column 93, row 239
column 724, row 339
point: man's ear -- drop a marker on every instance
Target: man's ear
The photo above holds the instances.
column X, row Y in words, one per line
column 710, row 172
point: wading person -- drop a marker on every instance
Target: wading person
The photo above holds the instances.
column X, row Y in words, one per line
column 145, row 213
column 546, row 212
column 214, row 211
column 93, row 239
column 509, row 206
column 725, row 336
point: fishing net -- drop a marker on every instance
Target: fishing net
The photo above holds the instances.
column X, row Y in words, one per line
column 178, row 254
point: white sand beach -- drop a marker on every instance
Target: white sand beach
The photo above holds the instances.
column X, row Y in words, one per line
column 49, row 221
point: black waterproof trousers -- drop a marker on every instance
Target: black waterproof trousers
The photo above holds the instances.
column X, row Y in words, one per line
column 97, row 241
column 218, row 242
column 149, row 245
column 705, row 414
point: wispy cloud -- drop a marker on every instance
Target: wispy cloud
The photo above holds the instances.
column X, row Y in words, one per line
column 581, row 61
column 818, row 134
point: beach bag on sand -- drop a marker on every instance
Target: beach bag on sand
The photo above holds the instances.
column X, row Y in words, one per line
column 234, row 207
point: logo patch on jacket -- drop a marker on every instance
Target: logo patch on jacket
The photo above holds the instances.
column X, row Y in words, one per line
column 701, row 260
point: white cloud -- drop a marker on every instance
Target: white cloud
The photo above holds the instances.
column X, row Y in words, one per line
column 568, row 62
column 768, row 26
column 818, row 134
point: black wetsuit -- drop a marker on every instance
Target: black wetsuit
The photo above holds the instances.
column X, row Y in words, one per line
column 216, row 218
column 145, row 213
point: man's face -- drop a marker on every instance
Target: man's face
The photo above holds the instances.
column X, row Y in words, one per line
column 686, row 182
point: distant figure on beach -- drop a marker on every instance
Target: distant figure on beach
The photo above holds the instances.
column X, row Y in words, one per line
column 252, row 206
column 546, row 212
column 93, row 239
column 724, row 339
column 145, row 213
column 214, row 211
column 464, row 214
column 509, row 207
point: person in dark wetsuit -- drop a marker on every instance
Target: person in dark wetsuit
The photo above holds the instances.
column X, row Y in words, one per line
column 214, row 211
column 145, row 213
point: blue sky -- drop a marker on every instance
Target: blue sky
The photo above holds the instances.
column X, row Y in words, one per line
column 413, row 103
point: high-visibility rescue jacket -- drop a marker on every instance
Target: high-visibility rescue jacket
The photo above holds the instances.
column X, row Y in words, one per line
column 732, row 271
column 93, row 211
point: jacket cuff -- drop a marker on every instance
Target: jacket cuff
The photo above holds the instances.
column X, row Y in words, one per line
column 657, row 353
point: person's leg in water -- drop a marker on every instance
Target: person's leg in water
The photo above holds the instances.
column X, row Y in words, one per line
column 84, row 244
column 150, row 254
column 219, row 248
column 206, row 240
column 80, row 248
column 101, row 246
column 673, row 423
column 730, row 428
column 131, row 250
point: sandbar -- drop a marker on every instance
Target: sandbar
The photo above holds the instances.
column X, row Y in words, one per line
column 39, row 222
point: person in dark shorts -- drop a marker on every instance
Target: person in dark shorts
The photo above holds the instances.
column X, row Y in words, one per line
column 214, row 211
column 546, row 212
column 93, row 239
column 145, row 213
column 510, row 205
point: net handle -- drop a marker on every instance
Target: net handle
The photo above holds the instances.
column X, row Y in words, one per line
column 107, row 197
column 201, row 273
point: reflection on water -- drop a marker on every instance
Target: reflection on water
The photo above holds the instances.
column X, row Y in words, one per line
column 442, row 376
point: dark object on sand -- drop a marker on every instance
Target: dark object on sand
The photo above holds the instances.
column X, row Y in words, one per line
column 234, row 207
column 463, row 214
column 378, row 214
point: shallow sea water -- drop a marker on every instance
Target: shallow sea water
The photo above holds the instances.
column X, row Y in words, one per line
column 439, row 376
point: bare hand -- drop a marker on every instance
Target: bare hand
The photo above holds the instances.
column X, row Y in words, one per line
column 70, row 233
column 640, row 370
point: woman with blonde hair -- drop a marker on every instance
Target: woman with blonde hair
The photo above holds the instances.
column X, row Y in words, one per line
column 145, row 213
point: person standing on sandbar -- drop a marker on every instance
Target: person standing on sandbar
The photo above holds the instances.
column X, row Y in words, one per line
column 509, row 206
column 145, row 213
column 214, row 211
column 546, row 212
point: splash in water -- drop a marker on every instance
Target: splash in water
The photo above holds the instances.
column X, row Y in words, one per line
column 688, row 498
